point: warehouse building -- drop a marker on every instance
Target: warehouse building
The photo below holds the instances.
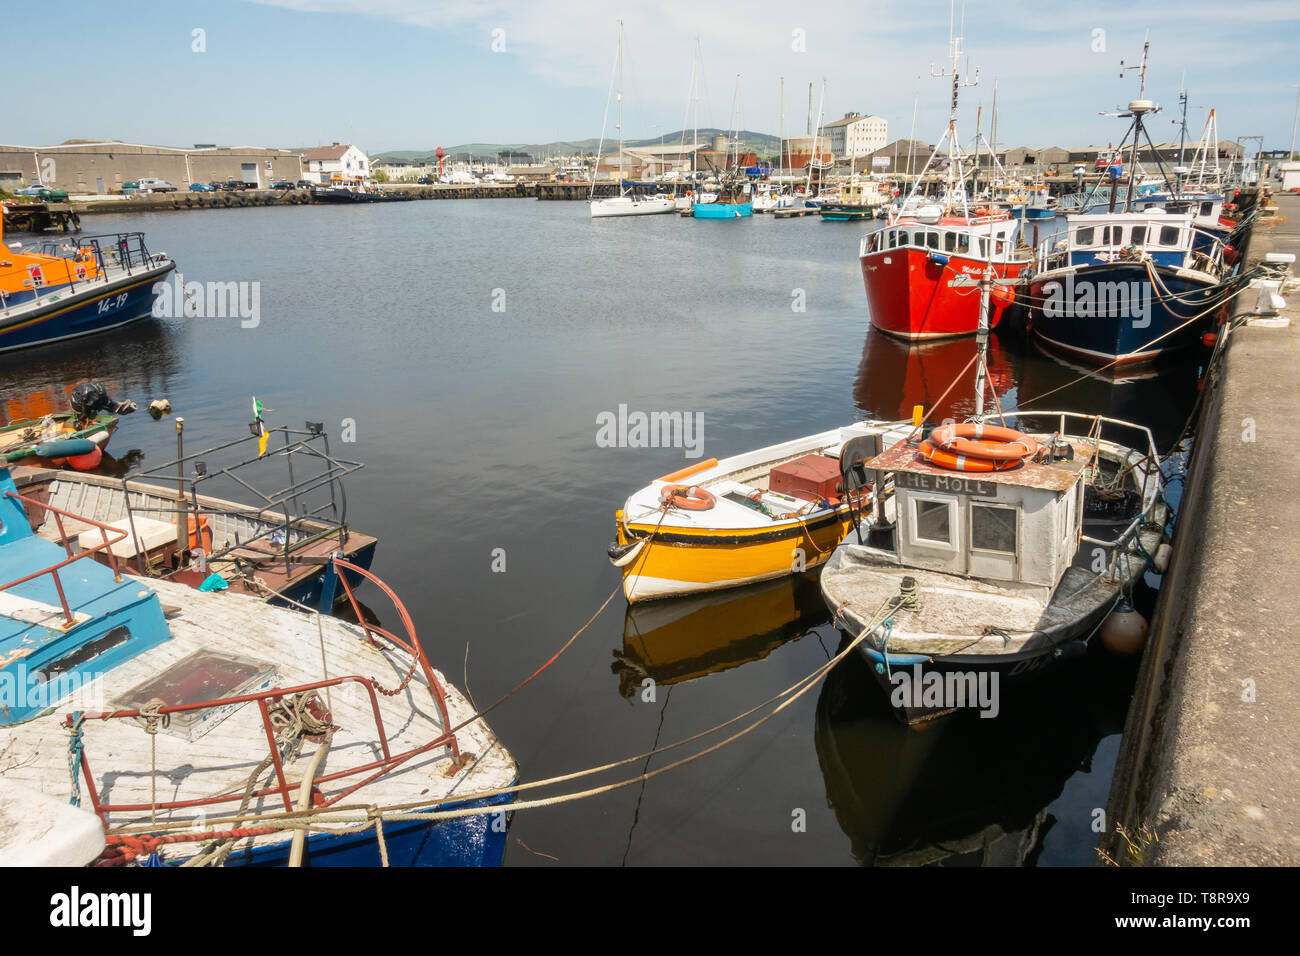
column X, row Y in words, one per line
column 81, row 166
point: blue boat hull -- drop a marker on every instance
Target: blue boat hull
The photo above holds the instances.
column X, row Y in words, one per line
column 91, row 309
column 1136, row 332
column 1020, row 212
column 722, row 210
column 478, row 840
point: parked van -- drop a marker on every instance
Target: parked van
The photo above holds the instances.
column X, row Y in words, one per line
column 155, row 186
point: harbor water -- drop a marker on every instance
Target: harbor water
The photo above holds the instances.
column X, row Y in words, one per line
column 469, row 350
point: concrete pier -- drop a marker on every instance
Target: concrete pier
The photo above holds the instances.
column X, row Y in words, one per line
column 1211, row 753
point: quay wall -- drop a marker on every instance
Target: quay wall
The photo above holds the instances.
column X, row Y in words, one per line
column 1210, row 759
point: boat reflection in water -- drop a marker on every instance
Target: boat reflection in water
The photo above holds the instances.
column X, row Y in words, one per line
column 893, row 376
column 965, row 791
column 678, row 640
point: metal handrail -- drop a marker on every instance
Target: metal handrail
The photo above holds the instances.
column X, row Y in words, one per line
column 53, row 570
column 265, row 699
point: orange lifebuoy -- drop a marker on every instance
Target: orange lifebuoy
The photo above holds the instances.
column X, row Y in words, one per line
column 946, row 459
column 692, row 498
column 991, row 442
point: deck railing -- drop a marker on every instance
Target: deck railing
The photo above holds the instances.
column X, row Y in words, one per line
column 271, row 698
column 53, row 569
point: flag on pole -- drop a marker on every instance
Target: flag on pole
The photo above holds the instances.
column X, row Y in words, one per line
column 257, row 419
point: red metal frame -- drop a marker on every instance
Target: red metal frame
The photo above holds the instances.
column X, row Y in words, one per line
column 53, row 569
column 264, row 699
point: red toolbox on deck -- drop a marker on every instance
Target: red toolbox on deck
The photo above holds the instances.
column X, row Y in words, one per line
column 811, row 477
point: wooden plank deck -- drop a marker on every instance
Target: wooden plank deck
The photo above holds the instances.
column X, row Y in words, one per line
column 221, row 761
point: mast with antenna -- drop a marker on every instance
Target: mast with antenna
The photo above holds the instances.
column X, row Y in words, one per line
column 955, row 185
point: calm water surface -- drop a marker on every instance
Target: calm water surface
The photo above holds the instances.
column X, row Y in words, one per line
column 478, row 429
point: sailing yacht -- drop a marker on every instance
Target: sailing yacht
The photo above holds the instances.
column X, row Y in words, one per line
column 626, row 203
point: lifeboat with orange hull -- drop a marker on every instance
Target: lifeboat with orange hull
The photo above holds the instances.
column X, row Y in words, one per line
column 908, row 267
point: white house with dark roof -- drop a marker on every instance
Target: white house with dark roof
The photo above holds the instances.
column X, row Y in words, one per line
column 321, row 164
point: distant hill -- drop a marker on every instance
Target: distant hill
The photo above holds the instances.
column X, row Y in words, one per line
column 751, row 141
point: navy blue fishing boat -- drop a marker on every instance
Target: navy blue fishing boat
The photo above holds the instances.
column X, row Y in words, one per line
column 1126, row 285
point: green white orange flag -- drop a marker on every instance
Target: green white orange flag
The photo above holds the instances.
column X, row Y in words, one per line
column 257, row 418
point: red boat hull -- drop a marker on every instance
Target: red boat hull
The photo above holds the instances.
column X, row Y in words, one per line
column 908, row 295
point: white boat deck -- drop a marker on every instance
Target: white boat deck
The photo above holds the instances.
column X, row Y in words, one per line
column 36, row 752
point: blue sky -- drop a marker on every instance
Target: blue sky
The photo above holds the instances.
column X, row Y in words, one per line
column 404, row 74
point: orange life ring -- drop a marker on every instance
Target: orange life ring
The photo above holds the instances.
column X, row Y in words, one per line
column 946, row 459
column 692, row 497
column 991, row 442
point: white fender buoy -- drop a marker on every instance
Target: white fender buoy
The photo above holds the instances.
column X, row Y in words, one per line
column 1160, row 560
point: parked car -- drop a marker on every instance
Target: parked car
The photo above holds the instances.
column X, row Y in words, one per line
column 238, row 184
column 305, row 184
column 425, row 180
column 202, row 188
column 52, row 195
column 155, row 186
column 282, row 184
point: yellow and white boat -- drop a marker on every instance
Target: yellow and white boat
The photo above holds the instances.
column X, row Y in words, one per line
column 749, row 518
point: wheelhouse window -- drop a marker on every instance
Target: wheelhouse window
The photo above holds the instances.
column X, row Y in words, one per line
column 902, row 237
column 949, row 241
column 933, row 522
column 963, row 242
column 1139, row 235
column 993, row 529
column 983, row 248
column 1168, row 235
column 1084, row 237
column 932, row 240
column 1207, row 208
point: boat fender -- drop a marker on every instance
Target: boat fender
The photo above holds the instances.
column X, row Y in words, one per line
column 88, row 461
column 1124, row 632
column 1160, row 560
column 64, row 447
column 99, row 438
column 621, row 555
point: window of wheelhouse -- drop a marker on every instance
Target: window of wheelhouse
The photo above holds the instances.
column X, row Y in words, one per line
column 1139, row 235
column 1207, row 208
column 1084, row 237
column 932, row 522
column 1168, row 235
column 949, row 242
column 963, row 242
column 902, row 238
column 932, row 239
column 983, row 248
column 993, row 528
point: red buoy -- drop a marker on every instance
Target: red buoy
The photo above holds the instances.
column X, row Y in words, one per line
column 89, row 460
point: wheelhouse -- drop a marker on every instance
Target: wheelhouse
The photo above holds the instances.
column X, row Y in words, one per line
column 948, row 238
column 1166, row 240
column 1020, row 528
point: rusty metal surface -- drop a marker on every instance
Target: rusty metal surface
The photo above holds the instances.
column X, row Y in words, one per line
column 1058, row 476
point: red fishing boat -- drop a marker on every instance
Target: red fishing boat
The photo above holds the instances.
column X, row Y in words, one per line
column 908, row 267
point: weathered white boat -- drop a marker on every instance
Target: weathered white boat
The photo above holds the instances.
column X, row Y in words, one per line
column 166, row 710
column 960, row 574
column 748, row 518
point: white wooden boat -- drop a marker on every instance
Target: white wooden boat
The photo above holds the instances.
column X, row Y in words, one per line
column 1007, row 571
column 164, row 709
